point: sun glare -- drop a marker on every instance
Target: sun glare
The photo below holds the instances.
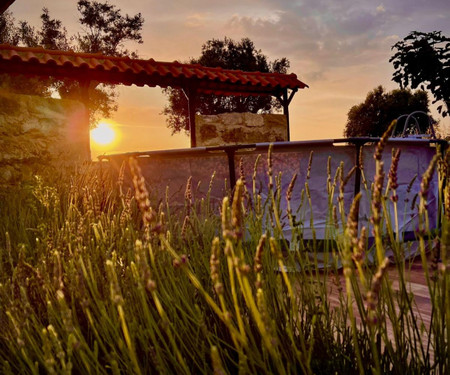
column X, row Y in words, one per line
column 103, row 134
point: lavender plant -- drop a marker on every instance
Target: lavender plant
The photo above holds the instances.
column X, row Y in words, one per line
column 94, row 279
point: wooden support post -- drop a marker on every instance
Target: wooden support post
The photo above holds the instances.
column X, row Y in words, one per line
column 285, row 100
column 191, row 95
column 285, row 104
column 85, row 128
column 85, row 87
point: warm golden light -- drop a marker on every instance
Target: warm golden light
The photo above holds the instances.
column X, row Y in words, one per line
column 103, row 134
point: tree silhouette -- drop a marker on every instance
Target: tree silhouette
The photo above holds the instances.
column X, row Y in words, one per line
column 372, row 117
column 423, row 60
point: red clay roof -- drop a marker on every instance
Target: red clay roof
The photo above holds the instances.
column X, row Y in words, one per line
column 123, row 70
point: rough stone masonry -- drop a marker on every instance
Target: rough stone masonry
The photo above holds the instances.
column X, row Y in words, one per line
column 36, row 132
column 240, row 128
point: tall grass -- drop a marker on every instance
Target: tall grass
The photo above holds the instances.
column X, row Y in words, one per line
column 96, row 279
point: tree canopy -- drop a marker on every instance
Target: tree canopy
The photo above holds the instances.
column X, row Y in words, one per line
column 227, row 54
column 423, row 60
column 372, row 117
column 8, row 31
column 104, row 30
column 21, row 34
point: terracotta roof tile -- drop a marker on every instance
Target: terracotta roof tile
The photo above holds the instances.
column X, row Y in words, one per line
column 128, row 71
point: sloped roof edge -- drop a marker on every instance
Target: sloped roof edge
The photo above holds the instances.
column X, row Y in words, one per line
column 124, row 70
column 4, row 5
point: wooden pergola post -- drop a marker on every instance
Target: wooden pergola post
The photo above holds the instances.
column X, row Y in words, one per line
column 191, row 95
column 85, row 86
column 84, row 93
column 285, row 99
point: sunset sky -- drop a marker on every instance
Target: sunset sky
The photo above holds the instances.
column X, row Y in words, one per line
column 340, row 48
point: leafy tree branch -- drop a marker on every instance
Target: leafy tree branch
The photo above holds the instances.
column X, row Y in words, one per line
column 423, row 60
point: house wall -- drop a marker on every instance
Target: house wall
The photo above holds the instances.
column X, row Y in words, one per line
column 240, row 128
column 38, row 132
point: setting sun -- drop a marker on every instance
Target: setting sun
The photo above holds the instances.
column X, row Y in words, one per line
column 103, row 134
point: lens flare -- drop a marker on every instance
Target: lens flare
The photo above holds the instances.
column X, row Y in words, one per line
column 103, row 134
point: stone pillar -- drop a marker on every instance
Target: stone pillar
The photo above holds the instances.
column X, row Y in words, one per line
column 38, row 132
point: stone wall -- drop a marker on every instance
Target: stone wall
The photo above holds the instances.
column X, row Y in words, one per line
column 38, row 132
column 240, row 128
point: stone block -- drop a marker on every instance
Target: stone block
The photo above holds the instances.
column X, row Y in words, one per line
column 254, row 120
column 240, row 128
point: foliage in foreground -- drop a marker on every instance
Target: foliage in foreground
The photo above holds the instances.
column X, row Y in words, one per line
column 94, row 280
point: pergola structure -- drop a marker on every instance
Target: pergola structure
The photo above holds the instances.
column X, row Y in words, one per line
column 193, row 79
